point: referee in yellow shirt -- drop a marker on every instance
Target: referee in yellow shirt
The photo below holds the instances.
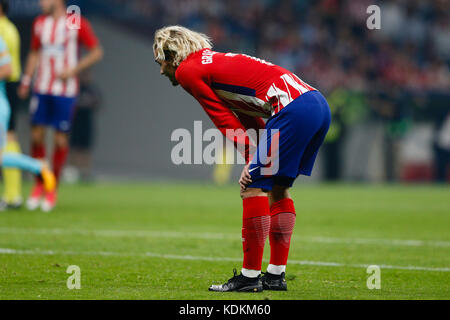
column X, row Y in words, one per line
column 12, row 177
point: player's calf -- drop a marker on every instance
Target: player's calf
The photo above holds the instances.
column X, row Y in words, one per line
column 255, row 229
column 282, row 221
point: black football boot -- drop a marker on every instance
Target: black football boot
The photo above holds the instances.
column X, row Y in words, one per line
column 274, row 281
column 239, row 283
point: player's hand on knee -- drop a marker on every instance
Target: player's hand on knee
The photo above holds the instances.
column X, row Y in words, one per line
column 245, row 178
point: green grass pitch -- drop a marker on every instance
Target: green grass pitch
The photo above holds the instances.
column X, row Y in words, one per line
column 171, row 241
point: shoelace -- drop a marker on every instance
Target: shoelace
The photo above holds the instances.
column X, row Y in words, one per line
column 268, row 275
column 234, row 275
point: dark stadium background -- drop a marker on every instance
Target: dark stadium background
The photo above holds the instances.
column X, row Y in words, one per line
column 388, row 89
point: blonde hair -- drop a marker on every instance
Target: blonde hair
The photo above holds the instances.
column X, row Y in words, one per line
column 180, row 41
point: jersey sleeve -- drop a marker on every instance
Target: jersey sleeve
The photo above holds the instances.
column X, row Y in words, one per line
column 35, row 35
column 222, row 117
column 86, row 34
column 251, row 122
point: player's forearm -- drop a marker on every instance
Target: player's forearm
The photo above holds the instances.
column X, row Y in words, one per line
column 30, row 67
column 94, row 56
column 241, row 140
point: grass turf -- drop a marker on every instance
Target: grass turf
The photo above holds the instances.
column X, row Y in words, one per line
column 171, row 241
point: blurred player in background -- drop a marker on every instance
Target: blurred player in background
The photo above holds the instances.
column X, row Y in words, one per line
column 16, row 159
column 236, row 91
column 54, row 54
column 12, row 197
column 83, row 127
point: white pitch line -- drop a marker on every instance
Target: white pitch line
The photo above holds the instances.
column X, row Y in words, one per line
column 203, row 258
column 389, row 242
column 221, row 236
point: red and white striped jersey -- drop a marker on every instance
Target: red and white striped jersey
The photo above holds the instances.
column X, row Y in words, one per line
column 59, row 48
column 242, row 83
column 236, row 90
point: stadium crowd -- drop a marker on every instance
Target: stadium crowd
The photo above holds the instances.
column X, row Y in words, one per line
column 325, row 41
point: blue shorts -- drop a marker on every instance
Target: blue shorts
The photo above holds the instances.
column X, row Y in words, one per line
column 54, row 111
column 293, row 137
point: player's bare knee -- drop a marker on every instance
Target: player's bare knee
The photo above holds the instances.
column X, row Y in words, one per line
column 278, row 193
column 38, row 135
column 252, row 192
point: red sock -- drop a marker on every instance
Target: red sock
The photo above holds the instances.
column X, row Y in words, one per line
column 38, row 152
column 59, row 159
column 282, row 220
column 255, row 229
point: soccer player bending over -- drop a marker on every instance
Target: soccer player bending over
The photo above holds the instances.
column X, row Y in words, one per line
column 237, row 91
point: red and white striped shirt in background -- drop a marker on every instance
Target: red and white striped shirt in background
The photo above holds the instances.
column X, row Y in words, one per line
column 59, row 48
